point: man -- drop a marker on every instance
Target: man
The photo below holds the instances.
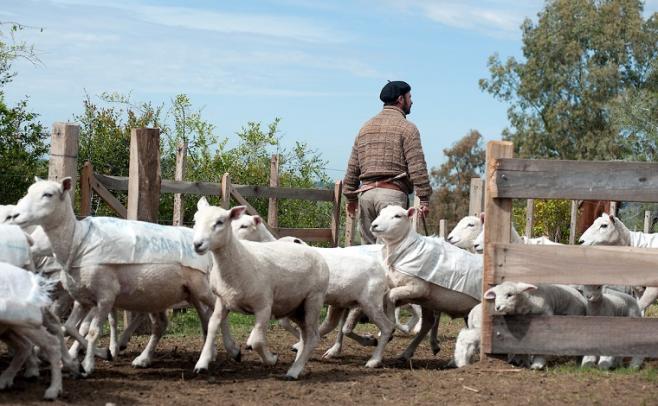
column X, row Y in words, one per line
column 387, row 159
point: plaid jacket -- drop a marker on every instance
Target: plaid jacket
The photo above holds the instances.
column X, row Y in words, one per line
column 388, row 145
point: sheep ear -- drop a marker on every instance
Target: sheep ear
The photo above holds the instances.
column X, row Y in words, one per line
column 490, row 294
column 202, row 203
column 236, row 212
column 257, row 220
column 411, row 211
column 37, row 179
column 612, row 218
column 526, row 287
column 482, row 217
column 67, row 183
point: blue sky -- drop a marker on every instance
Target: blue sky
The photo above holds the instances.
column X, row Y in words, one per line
column 319, row 65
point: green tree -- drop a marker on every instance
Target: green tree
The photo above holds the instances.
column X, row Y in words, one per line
column 579, row 57
column 22, row 137
column 452, row 180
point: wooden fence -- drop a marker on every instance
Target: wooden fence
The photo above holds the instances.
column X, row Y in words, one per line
column 573, row 180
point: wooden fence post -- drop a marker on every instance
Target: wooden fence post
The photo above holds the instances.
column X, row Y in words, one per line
column 442, row 228
column 144, row 182
column 63, row 161
column 85, row 189
column 573, row 222
column 647, row 221
column 529, row 217
column 335, row 215
column 613, row 208
column 181, row 158
column 272, row 206
column 476, row 201
column 498, row 214
column 226, row 191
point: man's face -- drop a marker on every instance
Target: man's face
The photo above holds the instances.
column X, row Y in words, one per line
column 406, row 103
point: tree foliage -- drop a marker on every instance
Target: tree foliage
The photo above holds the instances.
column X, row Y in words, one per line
column 580, row 56
column 22, row 137
column 452, row 180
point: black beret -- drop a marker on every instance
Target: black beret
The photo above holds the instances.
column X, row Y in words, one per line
column 392, row 90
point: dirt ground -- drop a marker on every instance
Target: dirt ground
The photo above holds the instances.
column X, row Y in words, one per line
column 170, row 381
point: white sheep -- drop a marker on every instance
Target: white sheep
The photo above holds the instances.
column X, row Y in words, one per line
column 609, row 230
column 105, row 282
column 15, row 247
column 265, row 279
column 466, row 231
column 524, row 298
column 413, row 261
column 610, row 303
column 355, row 279
column 467, row 345
column 25, row 321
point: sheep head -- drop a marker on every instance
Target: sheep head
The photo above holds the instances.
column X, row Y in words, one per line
column 465, row 232
column 393, row 223
column 593, row 293
column 604, row 231
column 506, row 295
column 478, row 243
column 212, row 226
column 45, row 203
column 246, row 227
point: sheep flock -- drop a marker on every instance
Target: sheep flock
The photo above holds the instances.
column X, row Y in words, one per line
column 62, row 278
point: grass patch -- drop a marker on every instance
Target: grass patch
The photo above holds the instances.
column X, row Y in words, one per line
column 572, row 368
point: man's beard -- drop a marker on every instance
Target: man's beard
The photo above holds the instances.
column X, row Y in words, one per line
column 406, row 108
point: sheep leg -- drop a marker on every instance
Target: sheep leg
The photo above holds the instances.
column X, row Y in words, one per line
column 82, row 331
column 22, row 351
column 258, row 339
column 49, row 344
column 102, row 309
column 375, row 313
column 158, row 327
column 218, row 316
column 434, row 334
column 310, row 337
column 427, row 321
column 52, row 324
column 588, row 361
column 337, row 319
column 32, row 365
column 285, row 323
column 467, row 345
column 349, row 325
column 328, row 324
column 136, row 320
column 114, row 344
column 650, row 295
column 636, row 362
column 414, row 323
column 607, row 362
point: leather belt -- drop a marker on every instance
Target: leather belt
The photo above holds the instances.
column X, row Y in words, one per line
column 383, row 185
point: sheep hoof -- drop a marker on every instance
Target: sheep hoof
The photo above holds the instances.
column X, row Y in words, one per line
column 373, row 363
column 122, row 347
column 109, row 356
column 248, row 347
column 200, row 370
column 51, row 394
column 286, row 378
column 6, row 383
column 238, row 357
column 436, row 350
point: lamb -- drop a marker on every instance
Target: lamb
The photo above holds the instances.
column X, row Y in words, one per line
column 467, row 345
column 354, row 279
column 265, row 279
column 466, row 231
column 141, row 287
column 524, row 298
column 425, row 270
column 25, row 321
column 611, row 303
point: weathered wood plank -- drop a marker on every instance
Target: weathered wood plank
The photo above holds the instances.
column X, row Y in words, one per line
column 575, row 335
column 335, row 213
column 272, row 206
column 576, row 180
column 647, row 221
column 498, row 217
column 306, row 234
column 85, row 189
column 575, row 264
column 63, row 160
column 529, row 217
column 573, row 221
column 120, row 183
column 179, row 175
column 476, row 197
column 144, row 171
column 443, row 225
column 108, row 198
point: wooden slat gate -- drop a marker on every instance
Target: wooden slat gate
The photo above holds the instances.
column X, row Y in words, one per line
column 509, row 179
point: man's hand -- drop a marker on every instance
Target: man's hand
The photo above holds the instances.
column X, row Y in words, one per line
column 424, row 209
column 351, row 208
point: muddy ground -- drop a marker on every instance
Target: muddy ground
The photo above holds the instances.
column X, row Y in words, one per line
column 340, row 381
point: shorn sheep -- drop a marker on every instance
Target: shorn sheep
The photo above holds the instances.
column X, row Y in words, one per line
column 524, row 298
column 355, row 279
column 609, row 230
column 610, row 303
column 95, row 277
column 265, row 279
column 466, row 231
column 25, row 321
column 426, row 271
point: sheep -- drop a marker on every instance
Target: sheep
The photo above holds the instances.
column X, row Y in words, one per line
column 524, row 298
column 15, row 247
column 265, row 279
column 25, row 321
column 467, row 345
column 609, row 230
column 141, row 287
column 354, row 279
column 411, row 260
column 617, row 304
column 466, row 231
